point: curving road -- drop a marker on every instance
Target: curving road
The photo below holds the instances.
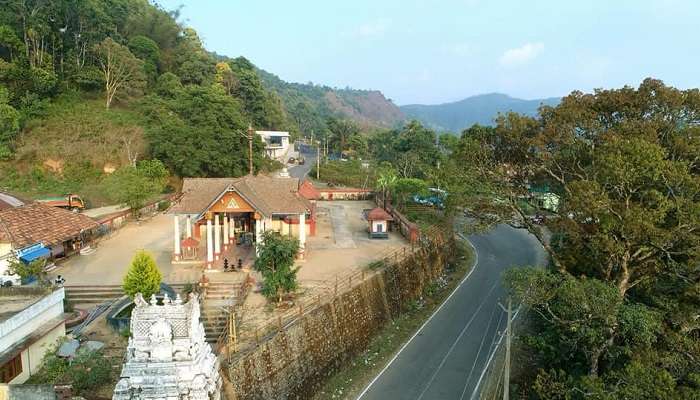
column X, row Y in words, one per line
column 445, row 358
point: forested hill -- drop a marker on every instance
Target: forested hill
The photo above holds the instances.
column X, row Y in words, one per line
column 311, row 105
column 90, row 86
column 481, row 109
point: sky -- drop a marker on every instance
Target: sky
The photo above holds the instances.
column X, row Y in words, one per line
column 430, row 52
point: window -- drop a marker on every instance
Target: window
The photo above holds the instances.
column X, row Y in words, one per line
column 11, row 369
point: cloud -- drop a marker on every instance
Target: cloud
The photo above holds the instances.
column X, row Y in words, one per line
column 521, row 55
column 372, row 29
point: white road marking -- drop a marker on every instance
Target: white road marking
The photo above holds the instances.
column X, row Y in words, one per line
column 476, row 263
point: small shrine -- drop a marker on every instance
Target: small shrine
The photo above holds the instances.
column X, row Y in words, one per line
column 167, row 356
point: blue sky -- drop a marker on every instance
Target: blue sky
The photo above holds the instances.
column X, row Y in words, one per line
column 423, row 51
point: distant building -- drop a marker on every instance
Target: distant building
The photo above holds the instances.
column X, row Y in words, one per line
column 29, row 231
column 31, row 321
column 276, row 143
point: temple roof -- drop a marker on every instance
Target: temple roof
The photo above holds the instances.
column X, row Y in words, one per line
column 378, row 214
column 268, row 195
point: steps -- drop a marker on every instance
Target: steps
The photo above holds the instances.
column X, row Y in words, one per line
column 88, row 296
column 219, row 297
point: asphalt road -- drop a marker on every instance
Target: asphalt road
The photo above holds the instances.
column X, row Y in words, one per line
column 309, row 153
column 445, row 358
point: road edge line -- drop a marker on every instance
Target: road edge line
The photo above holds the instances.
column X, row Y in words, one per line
column 474, row 265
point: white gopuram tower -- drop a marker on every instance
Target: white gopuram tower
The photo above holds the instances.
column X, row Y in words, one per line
column 167, row 357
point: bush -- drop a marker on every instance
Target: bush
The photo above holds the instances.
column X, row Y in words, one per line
column 163, row 205
column 86, row 372
column 143, row 276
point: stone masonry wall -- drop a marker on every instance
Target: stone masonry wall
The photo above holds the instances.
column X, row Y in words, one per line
column 295, row 361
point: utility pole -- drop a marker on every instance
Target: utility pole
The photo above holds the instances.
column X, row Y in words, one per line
column 250, row 149
column 506, row 372
column 318, row 159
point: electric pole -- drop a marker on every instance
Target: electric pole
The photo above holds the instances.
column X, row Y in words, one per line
column 506, row 372
column 250, row 149
column 318, row 155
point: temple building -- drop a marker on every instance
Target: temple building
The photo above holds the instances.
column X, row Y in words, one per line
column 229, row 215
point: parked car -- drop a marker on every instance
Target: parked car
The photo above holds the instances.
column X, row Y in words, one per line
column 291, row 160
column 301, row 161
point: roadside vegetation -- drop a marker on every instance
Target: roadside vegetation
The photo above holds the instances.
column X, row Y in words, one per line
column 616, row 316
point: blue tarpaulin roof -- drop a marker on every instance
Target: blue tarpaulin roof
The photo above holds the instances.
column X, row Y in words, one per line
column 34, row 254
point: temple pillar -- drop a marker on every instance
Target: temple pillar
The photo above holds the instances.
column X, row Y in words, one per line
column 210, row 245
column 176, row 237
column 188, row 226
column 217, row 237
column 226, row 232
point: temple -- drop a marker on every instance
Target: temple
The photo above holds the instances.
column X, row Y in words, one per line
column 227, row 216
column 167, row 357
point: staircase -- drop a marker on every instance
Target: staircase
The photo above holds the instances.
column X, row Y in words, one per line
column 219, row 298
column 89, row 296
column 86, row 297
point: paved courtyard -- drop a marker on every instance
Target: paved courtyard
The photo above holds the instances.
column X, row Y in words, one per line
column 341, row 246
column 109, row 263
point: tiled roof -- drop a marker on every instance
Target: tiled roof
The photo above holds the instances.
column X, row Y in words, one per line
column 266, row 194
column 38, row 223
column 378, row 214
column 308, row 191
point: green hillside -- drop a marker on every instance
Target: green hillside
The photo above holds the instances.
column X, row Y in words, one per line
column 89, row 87
column 481, row 109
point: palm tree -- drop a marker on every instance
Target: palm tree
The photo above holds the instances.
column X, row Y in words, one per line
column 385, row 183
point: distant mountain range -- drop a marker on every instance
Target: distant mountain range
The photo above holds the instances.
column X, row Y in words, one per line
column 481, row 109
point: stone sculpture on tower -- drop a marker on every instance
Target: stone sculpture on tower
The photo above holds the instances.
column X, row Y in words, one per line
column 167, row 356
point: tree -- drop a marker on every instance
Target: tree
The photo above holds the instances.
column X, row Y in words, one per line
column 225, row 77
column 143, row 276
column 406, row 187
column 9, row 124
column 275, row 260
column 586, row 318
column 122, row 71
column 386, row 183
column 25, row 271
column 341, row 132
column 624, row 241
column 134, row 185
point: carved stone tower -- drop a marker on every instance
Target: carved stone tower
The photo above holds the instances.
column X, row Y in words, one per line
column 167, row 356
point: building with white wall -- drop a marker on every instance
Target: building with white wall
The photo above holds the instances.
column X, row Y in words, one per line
column 31, row 322
column 276, row 143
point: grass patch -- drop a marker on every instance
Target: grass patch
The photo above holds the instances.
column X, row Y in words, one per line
column 352, row 379
column 346, row 173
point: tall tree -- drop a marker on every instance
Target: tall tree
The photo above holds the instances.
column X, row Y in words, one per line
column 122, row 71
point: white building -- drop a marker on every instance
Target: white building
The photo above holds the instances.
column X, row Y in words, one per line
column 276, row 144
column 31, row 322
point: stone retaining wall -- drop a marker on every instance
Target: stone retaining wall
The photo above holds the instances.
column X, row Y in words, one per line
column 294, row 362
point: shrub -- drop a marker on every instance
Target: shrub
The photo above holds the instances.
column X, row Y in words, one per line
column 143, row 276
